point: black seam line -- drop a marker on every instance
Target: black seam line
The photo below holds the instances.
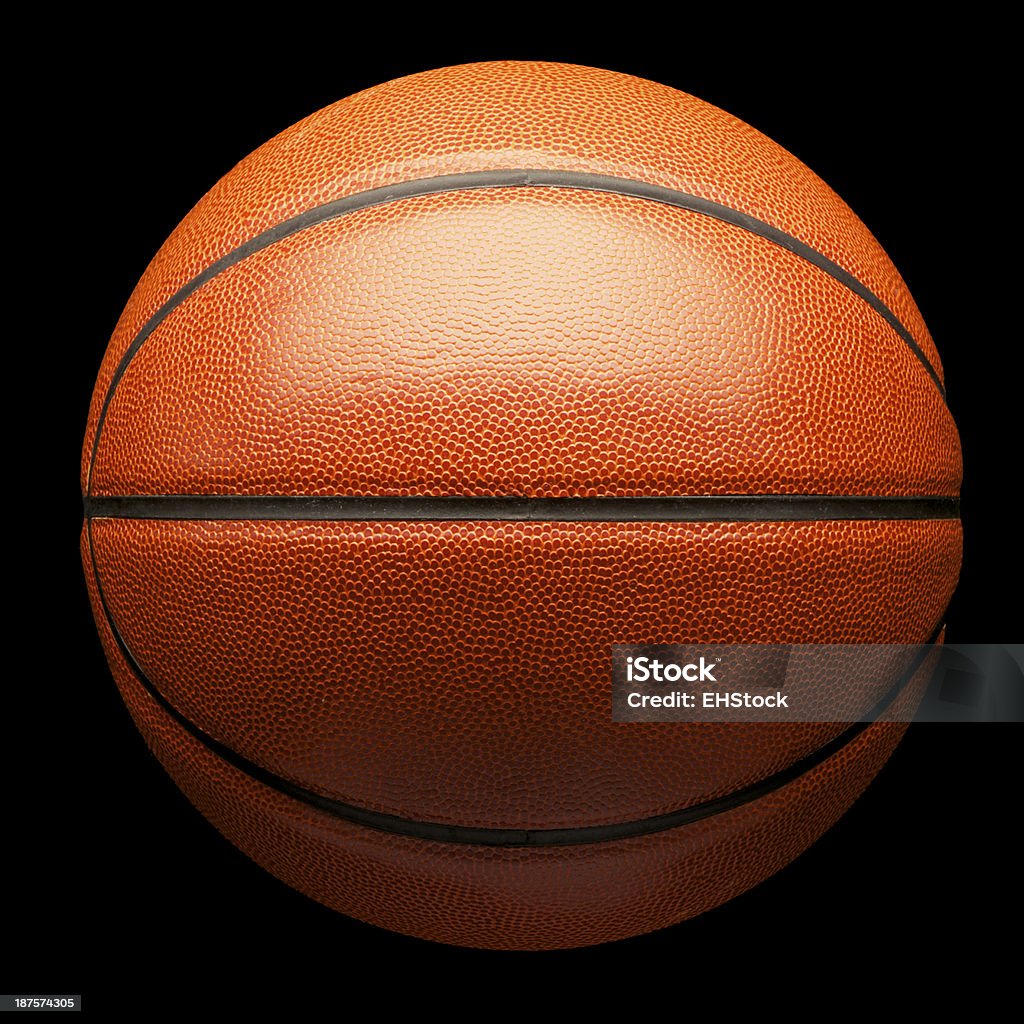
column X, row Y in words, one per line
column 730, row 508
column 506, row 179
column 464, row 834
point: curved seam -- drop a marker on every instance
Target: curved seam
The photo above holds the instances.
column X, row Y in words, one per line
column 583, row 181
column 508, row 838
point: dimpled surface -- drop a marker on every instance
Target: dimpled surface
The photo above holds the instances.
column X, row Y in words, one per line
column 512, row 898
column 460, row 672
column 508, row 115
column 529, row 341
column 515, row 341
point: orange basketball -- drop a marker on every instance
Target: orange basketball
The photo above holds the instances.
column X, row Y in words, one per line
column 437, row 396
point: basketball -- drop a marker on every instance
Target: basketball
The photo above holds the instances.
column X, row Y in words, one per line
column 435, row 398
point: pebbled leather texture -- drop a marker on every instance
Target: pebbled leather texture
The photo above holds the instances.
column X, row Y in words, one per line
column 510, row 115
column 460, row 672
column 510, row 341
column 546, row 342
column 513, row 898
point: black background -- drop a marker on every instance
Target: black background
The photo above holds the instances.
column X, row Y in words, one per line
column 113, row 884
